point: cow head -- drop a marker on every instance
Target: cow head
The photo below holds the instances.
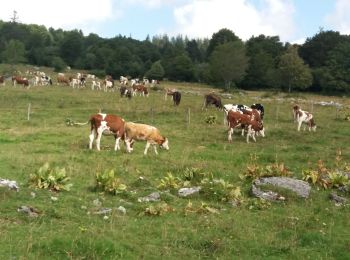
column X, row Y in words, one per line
column 164, row 144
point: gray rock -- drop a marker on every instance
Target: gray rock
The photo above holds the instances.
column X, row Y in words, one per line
column 122, row 210
column 301, row 188
column 32, row 212
column 184, row 192
column 10, row 184
column 266, row 195
column 103, row 211
column 337, row 199
column 155, row 196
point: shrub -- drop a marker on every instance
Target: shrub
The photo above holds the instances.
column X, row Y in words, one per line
column 210, row 120
column 109, row 182
column 50, row 178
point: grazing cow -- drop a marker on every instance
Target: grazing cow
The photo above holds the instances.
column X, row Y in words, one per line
column 125, row 92
column 62, row 79
column 260, row 108
column 169, row 92
column 2, row 80
column 301, row 116
column 212, row 99
column 138, row 88
column 176, row 98
column 108, row 85
column 148, row 133
column 75, row 82
column 45, row 80
column 236, row 119
column 105, row 124
column 20, row 80
column 95, row 84
column 123, row 80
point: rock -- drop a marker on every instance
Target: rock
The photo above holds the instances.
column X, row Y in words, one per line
column 301, row 188
column 337, row 199
column 122, row 210
column 10, row 184
column 155, row 196
column 184, row 192
column 103, row 211
column 32, row 212
column 97, row 202
column 266, row 195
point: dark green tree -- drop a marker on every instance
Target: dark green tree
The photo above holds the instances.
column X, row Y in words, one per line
column 294, row 73
column 221, row 37
column 229, row 62
column 156, row 71
column 14, row 52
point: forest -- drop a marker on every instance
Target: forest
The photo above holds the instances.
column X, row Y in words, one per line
column 321, row 64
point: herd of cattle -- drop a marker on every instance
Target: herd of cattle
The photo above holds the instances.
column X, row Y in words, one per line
column 248, row 119
column 236, row 116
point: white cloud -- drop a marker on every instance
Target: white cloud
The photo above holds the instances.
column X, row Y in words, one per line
column 339, row 19
column 202, row 18
column 66, row 14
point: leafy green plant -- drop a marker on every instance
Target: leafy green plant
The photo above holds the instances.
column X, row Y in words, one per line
column 255, row 171
column 196, row 176
column 258, row 204
column 109, row 182
column 170, row 182
column 211, row 120
column 337, row 179
column 157, row 210
column 50, row 178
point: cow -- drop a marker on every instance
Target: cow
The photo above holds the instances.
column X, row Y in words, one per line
column 169, row 92
column 20, row 80
column 148, row 133
column 107, row 84
column 123, row 80
column 138, row 88
column 125, row 92
column 260, row 108
column 95, row 84
column 2, row 80
column 176, row 98
column 236, row 119
column 212, row 99
column 62, row 79
column 105, row 124
column 301, row 116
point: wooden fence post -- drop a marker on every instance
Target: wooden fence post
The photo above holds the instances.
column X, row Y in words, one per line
column 188, row 117
column 28, row 111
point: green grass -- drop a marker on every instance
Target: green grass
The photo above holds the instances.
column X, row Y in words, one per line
column 69, row 229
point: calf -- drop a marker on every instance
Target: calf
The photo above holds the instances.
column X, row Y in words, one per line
column 125, row 92
column 148, row 133
column 301, row 116
column 212, row 99
column 236, row 119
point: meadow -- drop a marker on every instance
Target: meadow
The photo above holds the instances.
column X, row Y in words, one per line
column 201, row 226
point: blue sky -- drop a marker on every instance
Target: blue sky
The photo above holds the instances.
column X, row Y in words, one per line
column 292, row 20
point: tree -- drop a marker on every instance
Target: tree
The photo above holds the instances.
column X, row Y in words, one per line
column 193, row 51
column 182, row 68
column 229, row 62
column 156, row 71
column 294, row 72
column 14, row 52
column 58, row 64
column 221, row 37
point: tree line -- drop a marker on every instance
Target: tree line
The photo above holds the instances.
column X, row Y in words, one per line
column 321, row 64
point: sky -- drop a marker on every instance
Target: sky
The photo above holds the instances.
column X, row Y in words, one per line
column 292, row 20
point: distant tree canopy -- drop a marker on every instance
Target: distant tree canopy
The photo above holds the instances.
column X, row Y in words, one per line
column 261, row 62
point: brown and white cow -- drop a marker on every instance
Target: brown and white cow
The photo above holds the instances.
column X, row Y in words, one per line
column 301, row 116
column 105, row 124
column 237, row 119
column 141, row 89
column 150, row 134
column 20, row 80
column 62, row 79
column 169, row 92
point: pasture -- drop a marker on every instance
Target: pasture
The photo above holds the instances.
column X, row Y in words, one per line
column 68, row 228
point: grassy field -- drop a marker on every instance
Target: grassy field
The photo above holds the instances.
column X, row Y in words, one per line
column 202, row 226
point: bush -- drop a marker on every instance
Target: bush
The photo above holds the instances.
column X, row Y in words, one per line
column 50, row 178
column 109, row 182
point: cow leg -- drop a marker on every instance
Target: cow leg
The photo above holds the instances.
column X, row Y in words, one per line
column 155, row 149
column 230, row 131
column 146, row 148
column 91, row 138
column 128, row 145
column 117, row 147
column 299, row 125
column 98, row 139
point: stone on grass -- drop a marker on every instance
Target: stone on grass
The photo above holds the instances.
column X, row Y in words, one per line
column 184, row 192
column 12, row 185
column 155, row 196
column 32, row 212
column 339, row 200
